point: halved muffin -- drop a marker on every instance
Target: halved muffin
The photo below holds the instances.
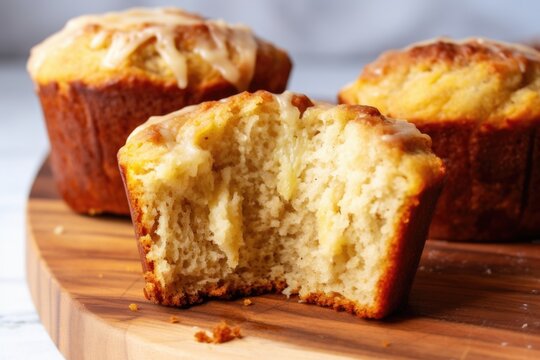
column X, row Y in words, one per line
column 102, row 75
column 262, row 192
column 479, row 100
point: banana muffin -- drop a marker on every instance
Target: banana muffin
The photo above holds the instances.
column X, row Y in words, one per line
column 479, row 100
column 102, row 75
column 271, row 193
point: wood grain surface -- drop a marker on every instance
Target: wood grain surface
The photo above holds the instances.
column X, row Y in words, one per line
column 469, row 301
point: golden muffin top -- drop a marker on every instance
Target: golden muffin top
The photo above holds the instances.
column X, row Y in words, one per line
column 164, row 44
column 191, row 126
column 444, row 80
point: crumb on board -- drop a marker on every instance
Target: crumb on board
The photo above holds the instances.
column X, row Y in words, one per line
column 202, row 337
column 247, row 302
column 133, row 307
column 174, row 319
column 504, row 343
column 221, row 333
column 58, row 230
column 524, row 326
column 386, row 344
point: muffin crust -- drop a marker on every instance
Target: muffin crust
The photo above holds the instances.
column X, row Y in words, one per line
column 91, row 107
column 479, row 100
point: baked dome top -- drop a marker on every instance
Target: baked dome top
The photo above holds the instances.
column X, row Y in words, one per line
column 469, row 80
column 194, row 120
column 166, row 44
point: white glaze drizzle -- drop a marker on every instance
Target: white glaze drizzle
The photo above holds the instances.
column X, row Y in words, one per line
column 402, row 130
column 156, row 120
column 130, row 29
column 288, row 112
column 291, row 146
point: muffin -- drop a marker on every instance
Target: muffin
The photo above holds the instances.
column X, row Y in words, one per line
column 102, row 75
column 271, row 193
column 479, row 100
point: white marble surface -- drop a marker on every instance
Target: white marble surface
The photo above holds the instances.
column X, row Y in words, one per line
column 23, row 145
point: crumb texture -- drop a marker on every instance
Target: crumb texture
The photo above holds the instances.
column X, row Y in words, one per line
column 254, row 191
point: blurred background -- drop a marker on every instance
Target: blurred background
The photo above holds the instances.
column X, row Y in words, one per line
column 338, row 35
column 329, row 40
column 322, row 30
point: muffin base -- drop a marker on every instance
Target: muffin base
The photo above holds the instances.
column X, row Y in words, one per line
column 393, row 288
column 88, row 124
column 493, row 173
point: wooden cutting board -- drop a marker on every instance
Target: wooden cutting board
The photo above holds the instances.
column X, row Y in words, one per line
column 468, row 301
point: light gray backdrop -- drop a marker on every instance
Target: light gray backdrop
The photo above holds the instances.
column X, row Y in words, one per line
column 320, row 30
